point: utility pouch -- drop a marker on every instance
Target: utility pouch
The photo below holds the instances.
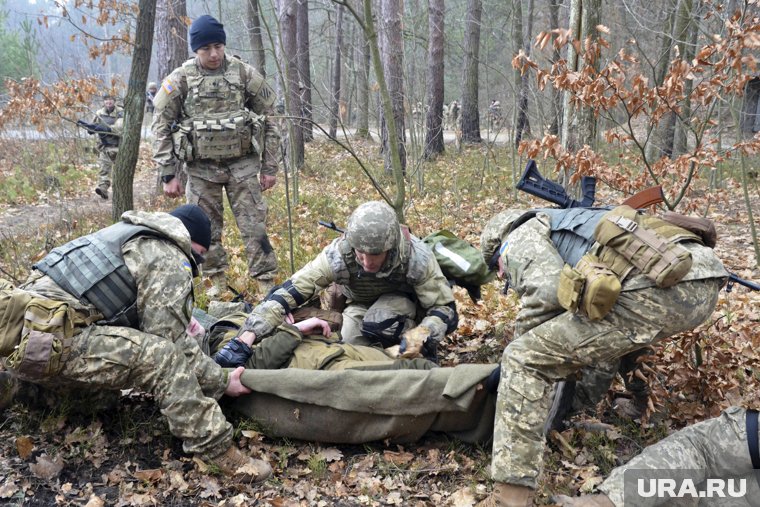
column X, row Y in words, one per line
column 221, row 136
column 45, row 341
column 646, row 242
column 183, row 148
column 602, row 287
column 702, row 227
column 570, row 288
column 12, row 304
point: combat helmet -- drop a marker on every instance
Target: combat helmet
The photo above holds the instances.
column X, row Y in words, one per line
column 495, row 232
column 152, row 86
column 373, row 228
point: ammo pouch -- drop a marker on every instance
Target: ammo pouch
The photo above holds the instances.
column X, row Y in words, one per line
column 48, row 327
column 590, row 287
column 221, row 136
column 12, row 304
column 650, row 244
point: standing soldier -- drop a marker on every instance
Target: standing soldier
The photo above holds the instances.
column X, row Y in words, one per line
column 594, row 285
column 212, row 112
column 454, row 115
column 150, row 94
column 110, row 118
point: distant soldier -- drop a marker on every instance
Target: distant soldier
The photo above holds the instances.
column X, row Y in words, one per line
column 109, row 118
column 454, row 115
column 494, row 114
column 150, row 94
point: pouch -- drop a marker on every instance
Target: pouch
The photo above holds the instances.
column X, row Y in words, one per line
column 702, row 227
column 570, row 288
column 602, row 287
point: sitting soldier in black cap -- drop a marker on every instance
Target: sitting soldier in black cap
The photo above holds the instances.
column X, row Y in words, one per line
column 109, row 311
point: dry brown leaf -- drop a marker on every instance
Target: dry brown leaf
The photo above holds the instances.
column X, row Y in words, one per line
column 462, row 498
column 398, row 458
column 8, row 489
column 152, row 475
column 47, row 468
column 94, row 501
column 211, row 488
column 331, row 454
column 24, row 446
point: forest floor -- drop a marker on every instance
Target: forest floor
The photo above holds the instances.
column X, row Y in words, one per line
column 75, row 451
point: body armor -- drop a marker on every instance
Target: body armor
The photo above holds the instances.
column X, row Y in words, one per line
column 92, row 269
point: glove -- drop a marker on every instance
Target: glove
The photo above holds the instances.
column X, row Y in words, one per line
column 88, row 127
column 234, row 354
column 413, row 340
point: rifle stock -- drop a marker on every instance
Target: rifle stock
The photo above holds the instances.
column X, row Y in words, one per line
column 533, row 183
column 647, row 197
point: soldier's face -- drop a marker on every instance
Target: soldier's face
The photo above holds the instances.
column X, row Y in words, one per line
column 371, row 263
column 211, row 56
column 109, row 104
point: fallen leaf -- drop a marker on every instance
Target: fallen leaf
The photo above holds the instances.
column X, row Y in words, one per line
column 45, row 468
column 210, row 488
column 152, row 475
column 94, row 501
column 398, row 458
column 24, row 446
column 331, row 454
column 462, row 498
column 8, row 489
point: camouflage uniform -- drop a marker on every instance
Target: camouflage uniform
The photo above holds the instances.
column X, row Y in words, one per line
column 209, row 178
column 159, row 357
column 380, row 306
column 715, row 448
column 551, row 344
column 108, row 147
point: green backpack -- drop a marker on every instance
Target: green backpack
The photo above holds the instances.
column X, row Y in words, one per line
column 461, row 263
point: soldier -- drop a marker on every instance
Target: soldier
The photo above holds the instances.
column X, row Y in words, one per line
column 563, row 326
column 715, row 448
column 454, row 115
column 212, row 112
column 111, row 117
column 109, row 311
column 391, row 280
column 150, row 94
column 494, row 114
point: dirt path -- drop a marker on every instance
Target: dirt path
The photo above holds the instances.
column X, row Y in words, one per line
column 53, row 214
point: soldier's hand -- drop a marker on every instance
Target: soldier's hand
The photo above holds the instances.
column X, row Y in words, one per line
column 173, row 188
column 413, row 340
column 234, row 387
column 314, row 325
column 267, row 181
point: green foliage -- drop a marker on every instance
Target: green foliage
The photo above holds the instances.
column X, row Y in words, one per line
column 20, row 49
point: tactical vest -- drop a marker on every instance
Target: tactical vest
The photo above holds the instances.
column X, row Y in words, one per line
column 92, row 269
column 363, row 287
column 107, row 119
column 219, row 124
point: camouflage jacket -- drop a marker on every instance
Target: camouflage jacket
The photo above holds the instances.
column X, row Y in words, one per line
column 164, row 281
column 170, row 110
column 533, row 267
column 411, row 268
column 113, row 120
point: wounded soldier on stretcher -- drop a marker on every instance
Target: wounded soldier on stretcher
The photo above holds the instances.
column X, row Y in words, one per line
column 307, row 385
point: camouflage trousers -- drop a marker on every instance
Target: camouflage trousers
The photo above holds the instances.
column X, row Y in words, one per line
column 715, row 448
column 106, row 158
column 112, row 358
column 565, row 344
column 206, row 186
column 384, row 321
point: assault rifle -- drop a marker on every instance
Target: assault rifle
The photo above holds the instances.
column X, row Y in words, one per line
column 93, row 128
column 533, row 183
column 332, row 226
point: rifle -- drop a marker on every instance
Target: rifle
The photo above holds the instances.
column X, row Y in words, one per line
column 93, row 128
column 533, row 183
column 331, row 225
column 732, row 278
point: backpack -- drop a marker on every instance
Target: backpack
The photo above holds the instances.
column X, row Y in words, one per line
column 461, row 263
column 12, row 304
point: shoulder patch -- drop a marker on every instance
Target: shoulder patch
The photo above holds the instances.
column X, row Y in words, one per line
column 167, row 86
column 187, row 266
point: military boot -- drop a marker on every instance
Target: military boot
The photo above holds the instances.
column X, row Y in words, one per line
column 598, row 500
column 102, row 192
column 234, row 462
column 508, row 495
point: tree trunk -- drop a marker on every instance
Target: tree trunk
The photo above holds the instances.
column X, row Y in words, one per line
column 681, row 33
column 170, row 35
column 288, row 24
column 681, row 135
column 362, row 84
column 434, row 116
column 134, row 106
column 469, row 111
column 393, row 67
column 336, row 74
column 255, row 36
column 521, row 80
column 556, row 105
column 304, row 68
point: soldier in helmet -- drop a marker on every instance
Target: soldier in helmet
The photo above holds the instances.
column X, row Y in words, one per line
column 150, row 94
column 213, row 113
column 396, row 293
column 109, row 118
column 587, row 295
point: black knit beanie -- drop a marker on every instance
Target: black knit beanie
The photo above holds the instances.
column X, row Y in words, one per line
column 206, row 30
column 196, row 222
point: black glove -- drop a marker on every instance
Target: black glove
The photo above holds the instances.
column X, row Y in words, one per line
column 234, row 354
column 87, row 126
